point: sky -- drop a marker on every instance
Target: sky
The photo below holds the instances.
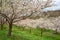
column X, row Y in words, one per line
column 57, row 2
column 56, row 6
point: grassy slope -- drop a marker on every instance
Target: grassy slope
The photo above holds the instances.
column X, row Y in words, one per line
column 18, row 34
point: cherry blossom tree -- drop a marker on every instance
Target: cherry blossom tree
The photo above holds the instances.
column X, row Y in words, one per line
column 16, row 10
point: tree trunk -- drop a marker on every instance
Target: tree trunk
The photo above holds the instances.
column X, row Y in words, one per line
column 41, row 32
column 10, row 29
column 56, row 31
column 1, row 25
column 23, row 28
column 30, row 30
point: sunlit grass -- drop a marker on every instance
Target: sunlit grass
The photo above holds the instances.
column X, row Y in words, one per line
column 19, row 34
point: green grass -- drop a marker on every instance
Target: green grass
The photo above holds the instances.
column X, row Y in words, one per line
column 19, row 34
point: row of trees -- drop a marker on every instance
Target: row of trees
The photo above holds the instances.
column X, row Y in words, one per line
column 15, row 10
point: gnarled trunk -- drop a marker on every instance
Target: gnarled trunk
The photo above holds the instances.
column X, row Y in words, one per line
column 10, row 29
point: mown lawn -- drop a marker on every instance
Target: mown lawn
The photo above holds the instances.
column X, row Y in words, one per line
column 19, row 34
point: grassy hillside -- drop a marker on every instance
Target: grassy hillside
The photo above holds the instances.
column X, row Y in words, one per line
column 19, row 34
